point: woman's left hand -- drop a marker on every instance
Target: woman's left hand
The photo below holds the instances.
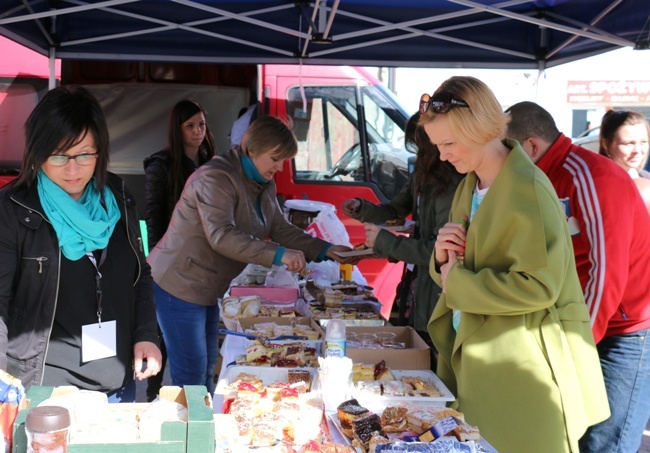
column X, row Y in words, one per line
column 146, row 350
column 372, row 231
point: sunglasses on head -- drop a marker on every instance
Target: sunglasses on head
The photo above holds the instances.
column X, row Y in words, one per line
column 440, row 103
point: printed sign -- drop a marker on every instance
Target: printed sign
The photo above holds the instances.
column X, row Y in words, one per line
column 608, row 92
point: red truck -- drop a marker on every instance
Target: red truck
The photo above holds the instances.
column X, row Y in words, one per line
column 349, row 127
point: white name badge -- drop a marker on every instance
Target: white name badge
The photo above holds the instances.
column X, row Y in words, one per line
column 98, row 341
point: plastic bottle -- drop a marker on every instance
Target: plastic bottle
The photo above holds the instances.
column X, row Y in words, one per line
column 335, row 338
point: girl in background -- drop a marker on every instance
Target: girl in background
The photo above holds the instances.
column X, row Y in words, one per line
column 190, row 144
column 624, row 139
column 427, row 196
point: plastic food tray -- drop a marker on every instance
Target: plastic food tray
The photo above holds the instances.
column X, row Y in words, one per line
column 268, row 375
column 298, row 305
column 356, row 322
column 369, row 400
column 316, row 344
column 368, row 304
column 333, row 419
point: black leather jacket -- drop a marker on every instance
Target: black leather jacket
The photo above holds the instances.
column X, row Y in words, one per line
column 29, row 277
column 158, row 203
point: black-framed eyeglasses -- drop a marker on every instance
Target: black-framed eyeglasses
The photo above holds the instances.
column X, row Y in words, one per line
column 440, row 102
column 60, row 160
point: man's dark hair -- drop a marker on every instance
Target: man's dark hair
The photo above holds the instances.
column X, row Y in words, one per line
column 528, row 119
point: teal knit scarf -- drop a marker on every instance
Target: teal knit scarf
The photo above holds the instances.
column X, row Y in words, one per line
column 81, row 226
column 250, row 170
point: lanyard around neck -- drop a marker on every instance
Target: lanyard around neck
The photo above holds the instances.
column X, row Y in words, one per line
column 98, row 281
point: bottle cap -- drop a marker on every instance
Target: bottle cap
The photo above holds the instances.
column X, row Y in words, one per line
column 47, row 418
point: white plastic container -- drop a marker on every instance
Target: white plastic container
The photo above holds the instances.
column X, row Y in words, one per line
column 369, row 400
column 335, row 338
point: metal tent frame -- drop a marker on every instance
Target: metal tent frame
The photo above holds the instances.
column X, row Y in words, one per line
column 419, row 33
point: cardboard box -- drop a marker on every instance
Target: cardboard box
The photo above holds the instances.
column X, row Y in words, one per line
column 271, row 294
column 415, row 356
column 195, row 436
column 248, row 323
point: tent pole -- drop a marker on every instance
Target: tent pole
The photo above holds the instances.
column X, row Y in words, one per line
column 51, row 82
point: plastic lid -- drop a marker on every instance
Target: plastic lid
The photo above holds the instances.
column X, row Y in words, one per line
column 307, row 205
column 47, row 418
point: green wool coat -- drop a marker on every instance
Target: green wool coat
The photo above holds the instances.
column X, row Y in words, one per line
column 432, row 215
column 523, row 363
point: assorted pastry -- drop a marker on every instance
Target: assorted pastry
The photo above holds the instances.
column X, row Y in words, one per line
column 332, row 297
column 360, row 247
column 297, row 382
column 379, row 380
column 262, row 352
column 276, row 414
column 366, row 429
column 395, row 222
column 327, row 302
column 252, row 307
column 371, row 372
column 241, row 307
column 359, row 312
column 273, row 330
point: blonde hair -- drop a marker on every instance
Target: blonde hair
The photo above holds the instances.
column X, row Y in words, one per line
column 269, row 134
column 481, row 123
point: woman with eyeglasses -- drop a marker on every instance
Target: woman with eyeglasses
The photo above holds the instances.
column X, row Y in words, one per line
column 511, row 327
column 427, row 196
column 76, row 296
column 624, row 139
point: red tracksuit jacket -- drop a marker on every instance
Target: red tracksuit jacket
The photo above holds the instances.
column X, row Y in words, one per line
column 610, row 228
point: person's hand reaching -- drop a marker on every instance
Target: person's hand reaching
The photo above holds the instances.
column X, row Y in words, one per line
column 294, row 260
column 351, row 207
column 372, row 231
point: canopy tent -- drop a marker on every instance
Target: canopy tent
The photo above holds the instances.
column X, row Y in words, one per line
column 419, row 33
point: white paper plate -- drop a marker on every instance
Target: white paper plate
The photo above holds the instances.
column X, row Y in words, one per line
column 307, row 205
column 408, row 225
column 355, row 253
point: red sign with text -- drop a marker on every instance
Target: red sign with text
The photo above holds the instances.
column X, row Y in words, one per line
column 608, row 92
